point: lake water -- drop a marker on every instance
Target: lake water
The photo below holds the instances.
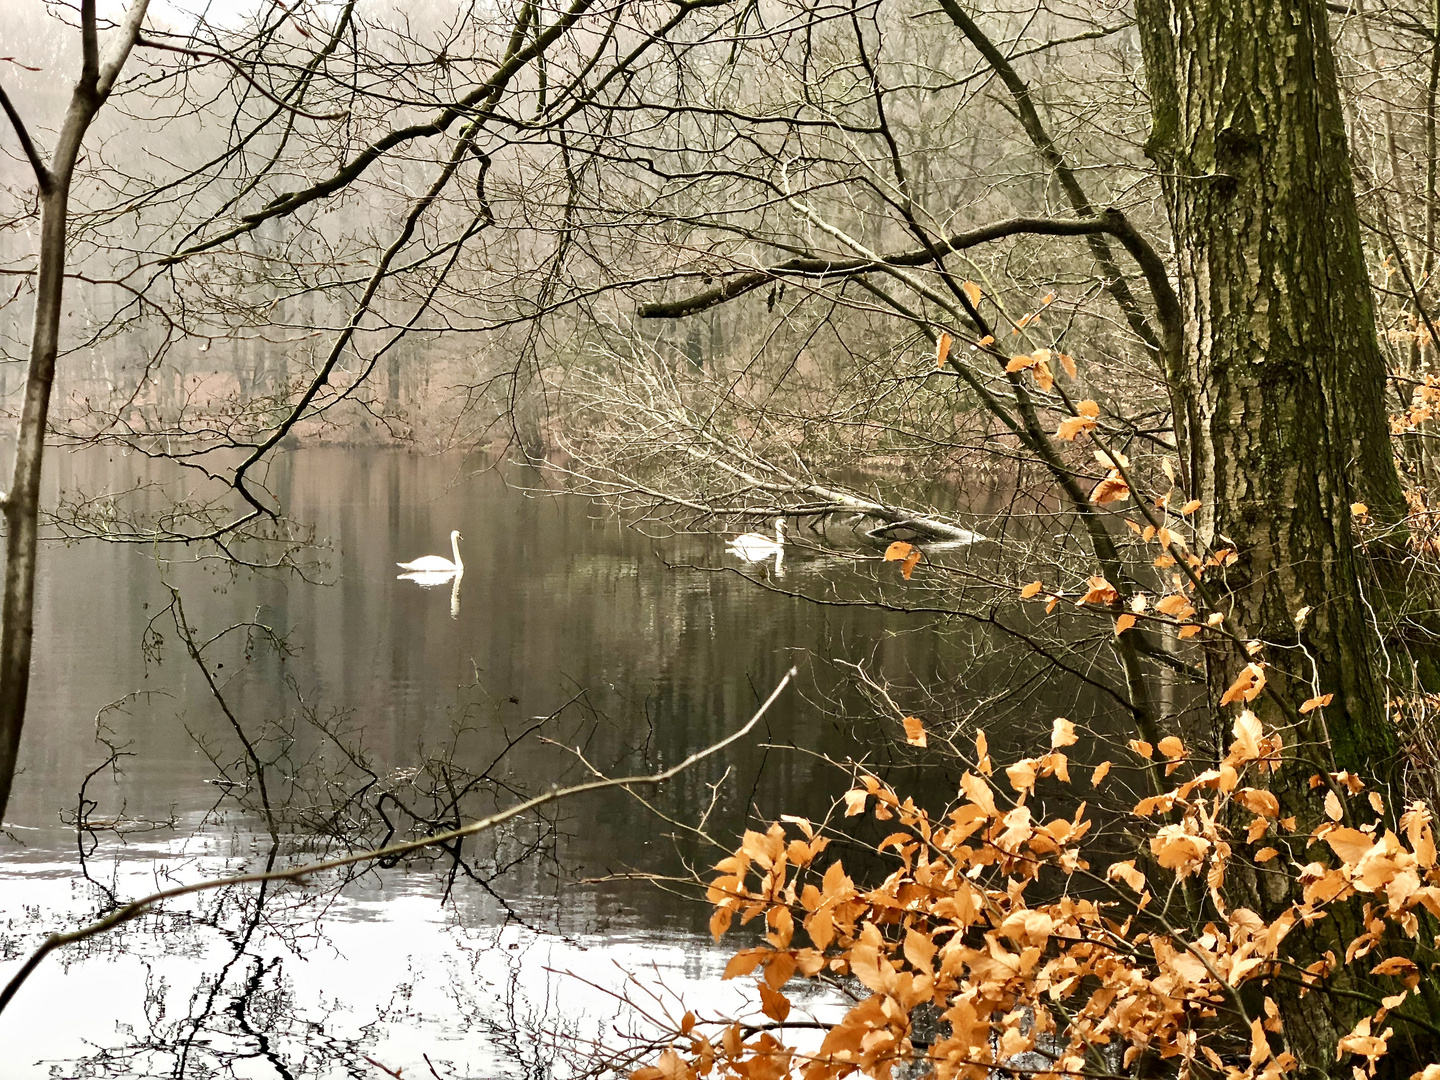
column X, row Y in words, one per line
column 364, row 696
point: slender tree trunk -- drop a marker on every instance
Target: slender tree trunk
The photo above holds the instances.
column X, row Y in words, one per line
column 1284, row 383
column 21, row 505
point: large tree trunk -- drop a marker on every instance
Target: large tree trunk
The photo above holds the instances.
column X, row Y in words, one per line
column 1284, row 379
column 1282, row 389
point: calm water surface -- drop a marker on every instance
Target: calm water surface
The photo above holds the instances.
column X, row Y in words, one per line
column 636, row 648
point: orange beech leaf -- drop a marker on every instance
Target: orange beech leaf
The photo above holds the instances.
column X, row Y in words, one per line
column 1188, row 631
column 1019, row 363
column 1068, row 363
column 1178, row 850
column 1317, row 702
column 914, row 731
column 1416, row 823
column 908, row 564
column 720, row 922
column 773, row 1003
column 1033, row 589
column 1171, row 747
column 898, row 550
column 1333, row 810
column 1395, row 965
column 1049, row 298
column 1073, row 426
column 779, row 966
column 942, row 349
column 972, row 292
column 744, row 962
column 1377, row 802
column 979, row 793
column 1258, row 801
column 1265, row 854
column 1190, row 507
column 1172, row 604
column 855, row 802
column 1247, row 685
column 986, row 341
column 1359, row 509
column 1141, row 747
column 1112, row 489
column 671, row 1066
column 1044, row 377
column 1101, row 771
column 1247, row 732
column 1062, row 733
column 1022, row 775
column 1099, row 591
column 919, row 949
column 1126, row 872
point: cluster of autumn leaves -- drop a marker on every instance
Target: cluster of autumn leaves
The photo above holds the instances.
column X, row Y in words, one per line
column 1092, row 973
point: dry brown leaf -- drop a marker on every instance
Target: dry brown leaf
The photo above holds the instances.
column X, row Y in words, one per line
column 1333, row 810
column 1247, row 685
column 914, row 731
column 1062, row 733
column 1171, row 747
column 942, row 349
column 1033, row 589
column 1247, row 731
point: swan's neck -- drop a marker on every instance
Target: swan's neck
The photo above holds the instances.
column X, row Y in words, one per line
column 455, row 548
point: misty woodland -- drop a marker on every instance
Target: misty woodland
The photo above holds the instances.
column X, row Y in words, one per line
column 1085, row 348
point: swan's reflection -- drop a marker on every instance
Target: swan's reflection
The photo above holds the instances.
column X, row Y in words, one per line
column 430, row 579
column 777, row 571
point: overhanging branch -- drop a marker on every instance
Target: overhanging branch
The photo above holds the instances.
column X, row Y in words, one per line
column 813, row 267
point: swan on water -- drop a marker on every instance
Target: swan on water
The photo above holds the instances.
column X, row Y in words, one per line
column 438, row 564
column 757, row 546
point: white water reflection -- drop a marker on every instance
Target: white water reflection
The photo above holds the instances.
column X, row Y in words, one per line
column 386, row 973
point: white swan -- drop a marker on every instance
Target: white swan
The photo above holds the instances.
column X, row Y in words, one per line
column 438, row 564
column 757, row 546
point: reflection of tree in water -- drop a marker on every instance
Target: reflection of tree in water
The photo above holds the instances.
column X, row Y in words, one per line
column 244, row 1019
column 306, row 785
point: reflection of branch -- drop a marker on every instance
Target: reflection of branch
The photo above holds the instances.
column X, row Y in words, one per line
column 139, row 907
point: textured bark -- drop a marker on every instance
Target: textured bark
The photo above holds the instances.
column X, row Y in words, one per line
column 1283, row 378
column 1282, row 387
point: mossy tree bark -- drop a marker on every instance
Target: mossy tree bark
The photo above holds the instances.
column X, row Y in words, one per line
column 1284, row 380
column 1282, row 391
